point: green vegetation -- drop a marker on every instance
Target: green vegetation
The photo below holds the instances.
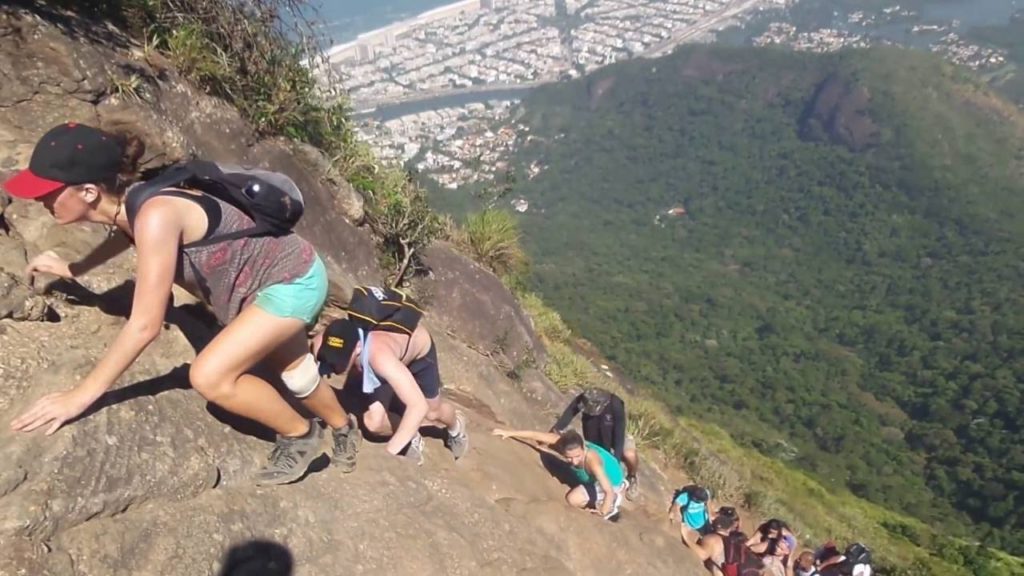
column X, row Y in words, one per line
column 492, row 238
column 758, row 325
column 259, row 56
column 855, row 314
column 904, row 546
column 403, row 223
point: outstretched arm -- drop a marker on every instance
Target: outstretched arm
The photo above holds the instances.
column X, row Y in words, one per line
column 547, row 438
column 673, row 511
column 390, row 368
column 570, row 412
column 702, row 550
column 158, row 234
column 49, row 262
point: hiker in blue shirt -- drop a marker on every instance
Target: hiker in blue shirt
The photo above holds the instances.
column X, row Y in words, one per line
column 692, row 505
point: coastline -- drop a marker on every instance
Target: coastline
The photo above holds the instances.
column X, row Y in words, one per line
column 401, row 26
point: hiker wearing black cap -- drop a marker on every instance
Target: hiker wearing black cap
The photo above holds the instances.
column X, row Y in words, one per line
column 265, row 291
column 389, row 364
column 604, row 423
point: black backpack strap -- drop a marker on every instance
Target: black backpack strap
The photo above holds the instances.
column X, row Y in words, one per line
column 194, row 174
column 251, row 231
column 172, row 177
column 230, row 189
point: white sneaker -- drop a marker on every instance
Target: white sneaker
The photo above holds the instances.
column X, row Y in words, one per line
column 414, row 451
column 459, row 443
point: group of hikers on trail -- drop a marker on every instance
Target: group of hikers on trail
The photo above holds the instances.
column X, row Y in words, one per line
column 225, row 234
column 718, row 541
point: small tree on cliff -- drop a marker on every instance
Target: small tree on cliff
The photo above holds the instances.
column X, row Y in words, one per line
column 402, row 221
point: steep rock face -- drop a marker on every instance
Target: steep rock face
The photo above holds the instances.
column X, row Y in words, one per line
column 460, row 289
column 154, row 480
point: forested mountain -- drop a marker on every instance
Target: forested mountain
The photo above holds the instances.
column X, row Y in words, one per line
column 846, row 287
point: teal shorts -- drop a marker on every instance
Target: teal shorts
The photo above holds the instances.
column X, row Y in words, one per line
column 303, row 298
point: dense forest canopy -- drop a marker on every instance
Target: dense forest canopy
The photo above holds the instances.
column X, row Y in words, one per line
column 845, row 290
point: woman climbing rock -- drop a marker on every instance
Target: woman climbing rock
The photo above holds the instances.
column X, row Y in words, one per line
column 265, row 291
column 602, row 483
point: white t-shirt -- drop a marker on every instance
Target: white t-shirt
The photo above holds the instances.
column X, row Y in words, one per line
column 862, row 570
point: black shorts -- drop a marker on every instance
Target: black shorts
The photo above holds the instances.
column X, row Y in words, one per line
column 426, row 373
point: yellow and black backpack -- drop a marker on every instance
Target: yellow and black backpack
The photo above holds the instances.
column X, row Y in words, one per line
column 388, row 309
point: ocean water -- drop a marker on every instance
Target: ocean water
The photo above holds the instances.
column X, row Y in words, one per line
column 970, row 13
column 340, row 21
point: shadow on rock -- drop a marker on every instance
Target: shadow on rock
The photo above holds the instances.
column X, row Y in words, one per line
column 240, row 424
column 94, row 30
column 558, row 468
column 176, row 379
column 198, row 326
column 114, row 302
column 258, row 558
column 196, row 323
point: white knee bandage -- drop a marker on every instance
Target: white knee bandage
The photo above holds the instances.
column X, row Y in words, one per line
column 302, row 379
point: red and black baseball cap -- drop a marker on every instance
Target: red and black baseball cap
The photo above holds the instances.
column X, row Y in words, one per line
column 68, row 154
column 336, row 349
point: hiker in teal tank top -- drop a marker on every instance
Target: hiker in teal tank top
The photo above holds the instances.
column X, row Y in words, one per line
column 611, row 467
column 602, row 482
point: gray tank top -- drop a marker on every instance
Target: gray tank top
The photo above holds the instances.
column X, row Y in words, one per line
column 228, row 275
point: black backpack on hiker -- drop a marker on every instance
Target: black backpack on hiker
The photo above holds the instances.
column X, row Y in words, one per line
column 270, row 199
column 693, row 491
column 387, row 309
column 739, row 559
column 856, row 554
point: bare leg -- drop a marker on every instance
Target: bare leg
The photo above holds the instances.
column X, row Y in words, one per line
column 380, row 421
column 688, row 535
column 440, row 413
column 632, row 461
column 218, row 372
column 578, row 497
column 322, row 402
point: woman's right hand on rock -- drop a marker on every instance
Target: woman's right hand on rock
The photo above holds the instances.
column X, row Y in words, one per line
column 47, row 263
column 53, row 410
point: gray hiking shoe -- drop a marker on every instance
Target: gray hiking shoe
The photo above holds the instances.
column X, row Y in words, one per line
column 633, row 489
column 414, row 451
column 346, row 446
column 291, row 457
column 459, row 443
